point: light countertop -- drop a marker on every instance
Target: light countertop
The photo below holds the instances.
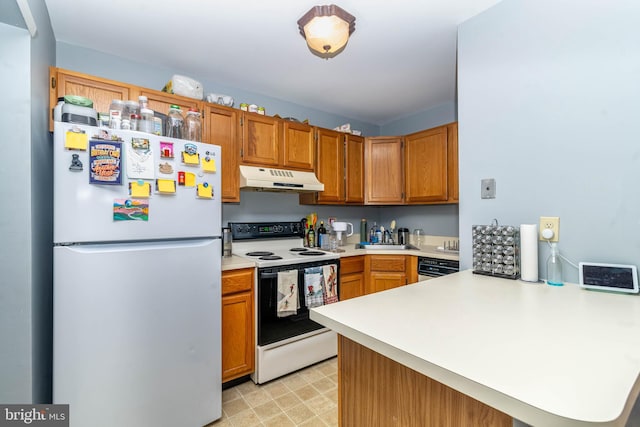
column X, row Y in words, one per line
column 546, row 355
column 428, row 249
column 236, row 262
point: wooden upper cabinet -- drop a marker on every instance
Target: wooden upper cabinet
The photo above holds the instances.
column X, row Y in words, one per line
column 221, row 124
column 426, row 164
column 330, row 165
column 299, row 146
column 260, row 140
column 354, row 169
column 384, row 177
column 161, row 101
column 452, row 168
column 100, row 91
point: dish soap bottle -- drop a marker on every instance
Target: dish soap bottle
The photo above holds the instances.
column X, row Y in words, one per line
column 554, row 267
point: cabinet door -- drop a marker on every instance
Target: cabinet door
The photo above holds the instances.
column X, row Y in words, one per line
column 380, row 281
column 298, row 146
column 237, row 354
column 383, row 171
column 221, row 124
column 354, row 169
column 238, row 342
column 452, row 167
column 351, row 286
column 100, row 91
column 330, row 165
column 426, row 160
column 260, row 139
column 161, row 101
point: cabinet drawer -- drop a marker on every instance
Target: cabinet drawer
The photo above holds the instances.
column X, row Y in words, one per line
column 388, row 263
column 237, row 281
column 353, row 264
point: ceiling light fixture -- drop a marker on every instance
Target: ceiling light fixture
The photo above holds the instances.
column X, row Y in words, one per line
column 327, row 29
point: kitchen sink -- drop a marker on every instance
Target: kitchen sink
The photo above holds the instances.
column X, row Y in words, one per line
column 383, row 246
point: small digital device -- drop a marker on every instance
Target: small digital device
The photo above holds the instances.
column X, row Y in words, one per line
column 609, row 277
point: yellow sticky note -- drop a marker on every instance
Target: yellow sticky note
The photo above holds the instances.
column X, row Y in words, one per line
column 166, row 185
column 209, row 164
column 189, row 179
column 205, row 191
column 76, row 140
column 140, row 189
column 190, row 159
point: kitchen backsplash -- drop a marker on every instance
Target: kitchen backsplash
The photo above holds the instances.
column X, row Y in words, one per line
column 439, row 220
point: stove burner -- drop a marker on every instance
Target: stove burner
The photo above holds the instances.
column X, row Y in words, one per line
column 259, row 253
column 311, row 253
column 298, row 249
column 270, row 257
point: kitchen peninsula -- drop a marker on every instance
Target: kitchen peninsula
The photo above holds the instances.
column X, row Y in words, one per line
column 470, row 350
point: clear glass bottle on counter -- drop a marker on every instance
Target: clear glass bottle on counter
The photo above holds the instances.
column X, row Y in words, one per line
column 193, row 125
column 554, row 267
column 175, row 122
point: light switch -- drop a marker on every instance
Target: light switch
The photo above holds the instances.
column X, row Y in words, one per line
column 488, row 188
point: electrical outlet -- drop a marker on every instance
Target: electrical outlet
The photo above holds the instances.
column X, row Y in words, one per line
column 550, row 223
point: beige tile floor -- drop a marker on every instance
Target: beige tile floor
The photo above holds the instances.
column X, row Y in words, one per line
column 307, row 398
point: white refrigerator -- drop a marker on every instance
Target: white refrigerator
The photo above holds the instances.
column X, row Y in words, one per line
column 137, row 254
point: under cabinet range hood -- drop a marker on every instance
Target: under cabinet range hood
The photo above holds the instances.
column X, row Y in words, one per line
column 267, row 179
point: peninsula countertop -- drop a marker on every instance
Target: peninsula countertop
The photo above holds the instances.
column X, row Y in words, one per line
column 546, row 355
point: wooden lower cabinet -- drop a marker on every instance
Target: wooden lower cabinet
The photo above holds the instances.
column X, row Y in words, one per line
column 351, row 277
column 238, row 342
column 374, row 390
column 385, row 272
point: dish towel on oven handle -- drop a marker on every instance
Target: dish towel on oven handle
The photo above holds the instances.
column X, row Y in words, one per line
column 313, row 295
column 330, row 283
column 288, row 302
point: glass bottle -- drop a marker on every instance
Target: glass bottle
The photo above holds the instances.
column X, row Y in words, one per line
column 193, row 125
column 146, row 120
column 363, row 230
column 322, row 236
column 311, row 237
column 175, row 122
column 554, row 267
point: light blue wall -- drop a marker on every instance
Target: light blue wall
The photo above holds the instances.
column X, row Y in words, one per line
column 15, row 224
column 548, row 106
column 155, row 77
column 426, row 119
column 26, row 226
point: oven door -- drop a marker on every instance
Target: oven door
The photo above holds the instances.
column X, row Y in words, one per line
column 272, row 328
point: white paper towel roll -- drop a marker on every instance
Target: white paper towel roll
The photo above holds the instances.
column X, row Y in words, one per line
column 529, row 252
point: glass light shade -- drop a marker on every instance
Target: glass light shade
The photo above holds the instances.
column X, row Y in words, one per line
column 327, row 34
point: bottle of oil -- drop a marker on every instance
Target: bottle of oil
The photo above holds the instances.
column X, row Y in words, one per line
column 311, row 237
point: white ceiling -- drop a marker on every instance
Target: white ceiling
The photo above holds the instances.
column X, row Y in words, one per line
column 400, row 59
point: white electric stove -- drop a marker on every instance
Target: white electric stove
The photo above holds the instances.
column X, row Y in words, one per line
column 284, row 344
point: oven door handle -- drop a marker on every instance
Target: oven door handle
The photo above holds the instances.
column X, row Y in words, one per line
column 273, row 275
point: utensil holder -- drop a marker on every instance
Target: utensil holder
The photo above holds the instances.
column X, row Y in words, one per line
column 496, row 250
